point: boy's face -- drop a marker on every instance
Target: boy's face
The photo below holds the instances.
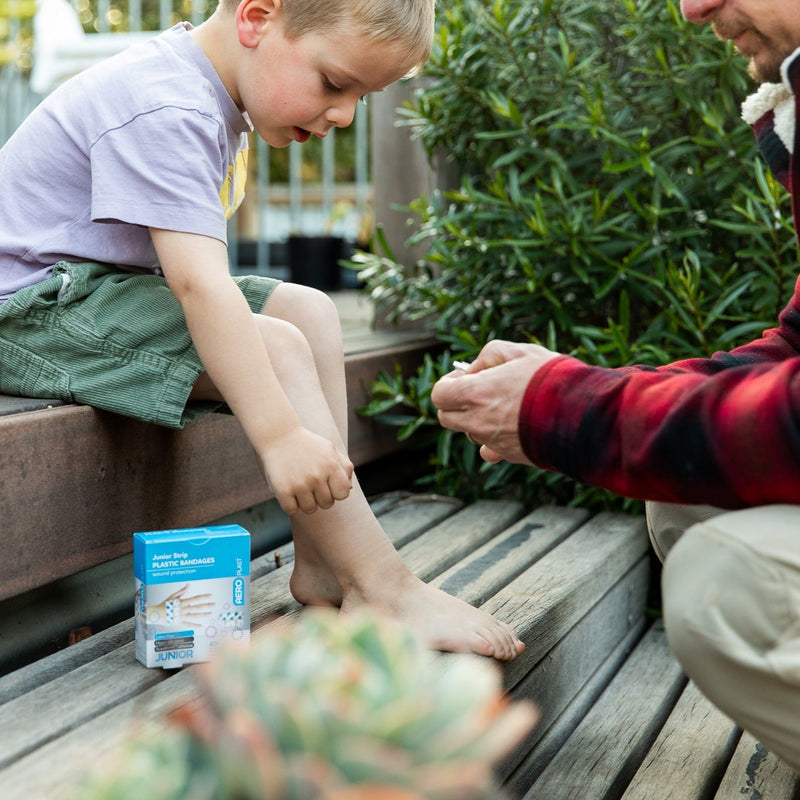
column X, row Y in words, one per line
column 296, row 88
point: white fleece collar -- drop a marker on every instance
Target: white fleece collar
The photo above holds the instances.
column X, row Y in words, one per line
column 777, row 97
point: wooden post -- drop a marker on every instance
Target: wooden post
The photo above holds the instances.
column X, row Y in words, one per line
column 401, row 172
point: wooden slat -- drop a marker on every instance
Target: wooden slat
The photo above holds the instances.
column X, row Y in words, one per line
column 485, row 566
column 49, row 668
column 561, row 675
column 62, row 704
column 554, row 737
column 756, row 774
column 458, row 536
column 695, row 743
column 409, row 516
column 549, row 598
column 51, row 771
column 606, row 749
column 76, row 483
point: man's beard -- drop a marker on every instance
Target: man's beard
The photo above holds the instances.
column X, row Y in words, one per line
column 768, row 68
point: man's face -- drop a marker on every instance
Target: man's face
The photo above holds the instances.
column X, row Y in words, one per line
column 765, row 31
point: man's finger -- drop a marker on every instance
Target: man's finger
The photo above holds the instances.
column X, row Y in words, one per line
column 487, row 454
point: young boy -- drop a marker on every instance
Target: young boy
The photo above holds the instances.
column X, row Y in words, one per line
column 114, row 281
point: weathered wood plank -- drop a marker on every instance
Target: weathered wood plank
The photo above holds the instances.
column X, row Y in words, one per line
column 756, row 774
column 509, row 553
column 51, row 770
column 608, row 746
column 409, row 516
column 561, row 675
column 548, row 598
column 28, row 721
column 695, row 744
column 47, row 669
column 556, row 735
column 458, row 536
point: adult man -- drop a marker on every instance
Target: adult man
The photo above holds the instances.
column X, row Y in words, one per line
column 723, row 431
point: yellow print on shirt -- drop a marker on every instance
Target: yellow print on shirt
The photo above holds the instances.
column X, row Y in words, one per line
column 232, row 192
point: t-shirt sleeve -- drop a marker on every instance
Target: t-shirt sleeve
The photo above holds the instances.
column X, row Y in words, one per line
column 162, row 169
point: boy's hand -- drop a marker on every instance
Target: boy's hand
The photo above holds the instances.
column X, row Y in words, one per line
column 306, row 471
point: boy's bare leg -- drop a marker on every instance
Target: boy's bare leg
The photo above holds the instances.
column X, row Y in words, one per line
column 346, row 542
column 314, row 314
column 343, row 556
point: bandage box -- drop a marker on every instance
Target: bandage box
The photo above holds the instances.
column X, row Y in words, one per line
column 192, row 593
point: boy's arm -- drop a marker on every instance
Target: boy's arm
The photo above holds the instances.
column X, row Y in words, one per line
column 304, row 470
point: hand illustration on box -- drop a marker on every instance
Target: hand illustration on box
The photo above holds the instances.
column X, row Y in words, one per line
column 176, row 608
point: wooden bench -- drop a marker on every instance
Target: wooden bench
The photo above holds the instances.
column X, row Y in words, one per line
column 618, row 717
column 75, row 483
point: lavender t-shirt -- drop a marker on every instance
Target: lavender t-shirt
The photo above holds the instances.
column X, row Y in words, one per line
column 148, row 138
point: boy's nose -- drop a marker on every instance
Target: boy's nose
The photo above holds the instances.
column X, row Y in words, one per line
column 341, row 115
column 700, row 11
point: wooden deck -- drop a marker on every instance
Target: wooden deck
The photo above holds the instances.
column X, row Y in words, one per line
column 618, row 718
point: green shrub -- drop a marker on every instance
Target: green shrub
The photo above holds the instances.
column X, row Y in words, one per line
column 612, row 205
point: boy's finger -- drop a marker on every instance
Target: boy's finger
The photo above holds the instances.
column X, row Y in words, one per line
column 340, row 484
column 307, row 502
column 289, row 504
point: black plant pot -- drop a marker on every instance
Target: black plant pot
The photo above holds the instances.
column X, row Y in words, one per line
column 314, row 260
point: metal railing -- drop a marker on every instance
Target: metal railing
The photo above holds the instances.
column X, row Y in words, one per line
column 320, row 188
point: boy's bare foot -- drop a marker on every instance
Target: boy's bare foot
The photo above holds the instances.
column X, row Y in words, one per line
column 441, row 620
column 312, row 582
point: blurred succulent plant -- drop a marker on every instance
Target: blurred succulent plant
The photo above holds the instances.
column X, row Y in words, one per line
column 327, row 708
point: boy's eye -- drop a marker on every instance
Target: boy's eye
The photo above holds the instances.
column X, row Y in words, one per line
column 329, row 85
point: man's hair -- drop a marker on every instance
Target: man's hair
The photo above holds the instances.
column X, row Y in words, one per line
column 403, row 23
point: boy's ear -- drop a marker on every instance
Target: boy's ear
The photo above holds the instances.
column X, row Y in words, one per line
column 253, row 18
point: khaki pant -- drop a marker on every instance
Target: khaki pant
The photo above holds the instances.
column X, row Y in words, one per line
column 731, row 598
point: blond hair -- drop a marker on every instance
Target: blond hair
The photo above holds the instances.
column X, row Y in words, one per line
column 408, row 24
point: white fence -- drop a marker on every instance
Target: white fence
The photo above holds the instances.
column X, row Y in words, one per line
column 320, row 188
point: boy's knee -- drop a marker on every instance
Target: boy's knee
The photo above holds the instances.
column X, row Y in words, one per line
column 281, row 337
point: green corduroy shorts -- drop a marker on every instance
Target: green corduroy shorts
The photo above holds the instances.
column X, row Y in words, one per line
column 115, row 340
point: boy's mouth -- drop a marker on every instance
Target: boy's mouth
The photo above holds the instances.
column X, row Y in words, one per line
column 301, row 134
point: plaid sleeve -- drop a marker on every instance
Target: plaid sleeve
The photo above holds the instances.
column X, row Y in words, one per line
column 730, row 438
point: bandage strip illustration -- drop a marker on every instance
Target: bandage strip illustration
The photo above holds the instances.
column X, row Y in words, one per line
column 173, row 610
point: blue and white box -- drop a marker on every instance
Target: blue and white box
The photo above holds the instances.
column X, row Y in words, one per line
column 192, row 593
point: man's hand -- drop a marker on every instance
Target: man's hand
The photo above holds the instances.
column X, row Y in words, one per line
column 485, row 400
column 306, row 471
